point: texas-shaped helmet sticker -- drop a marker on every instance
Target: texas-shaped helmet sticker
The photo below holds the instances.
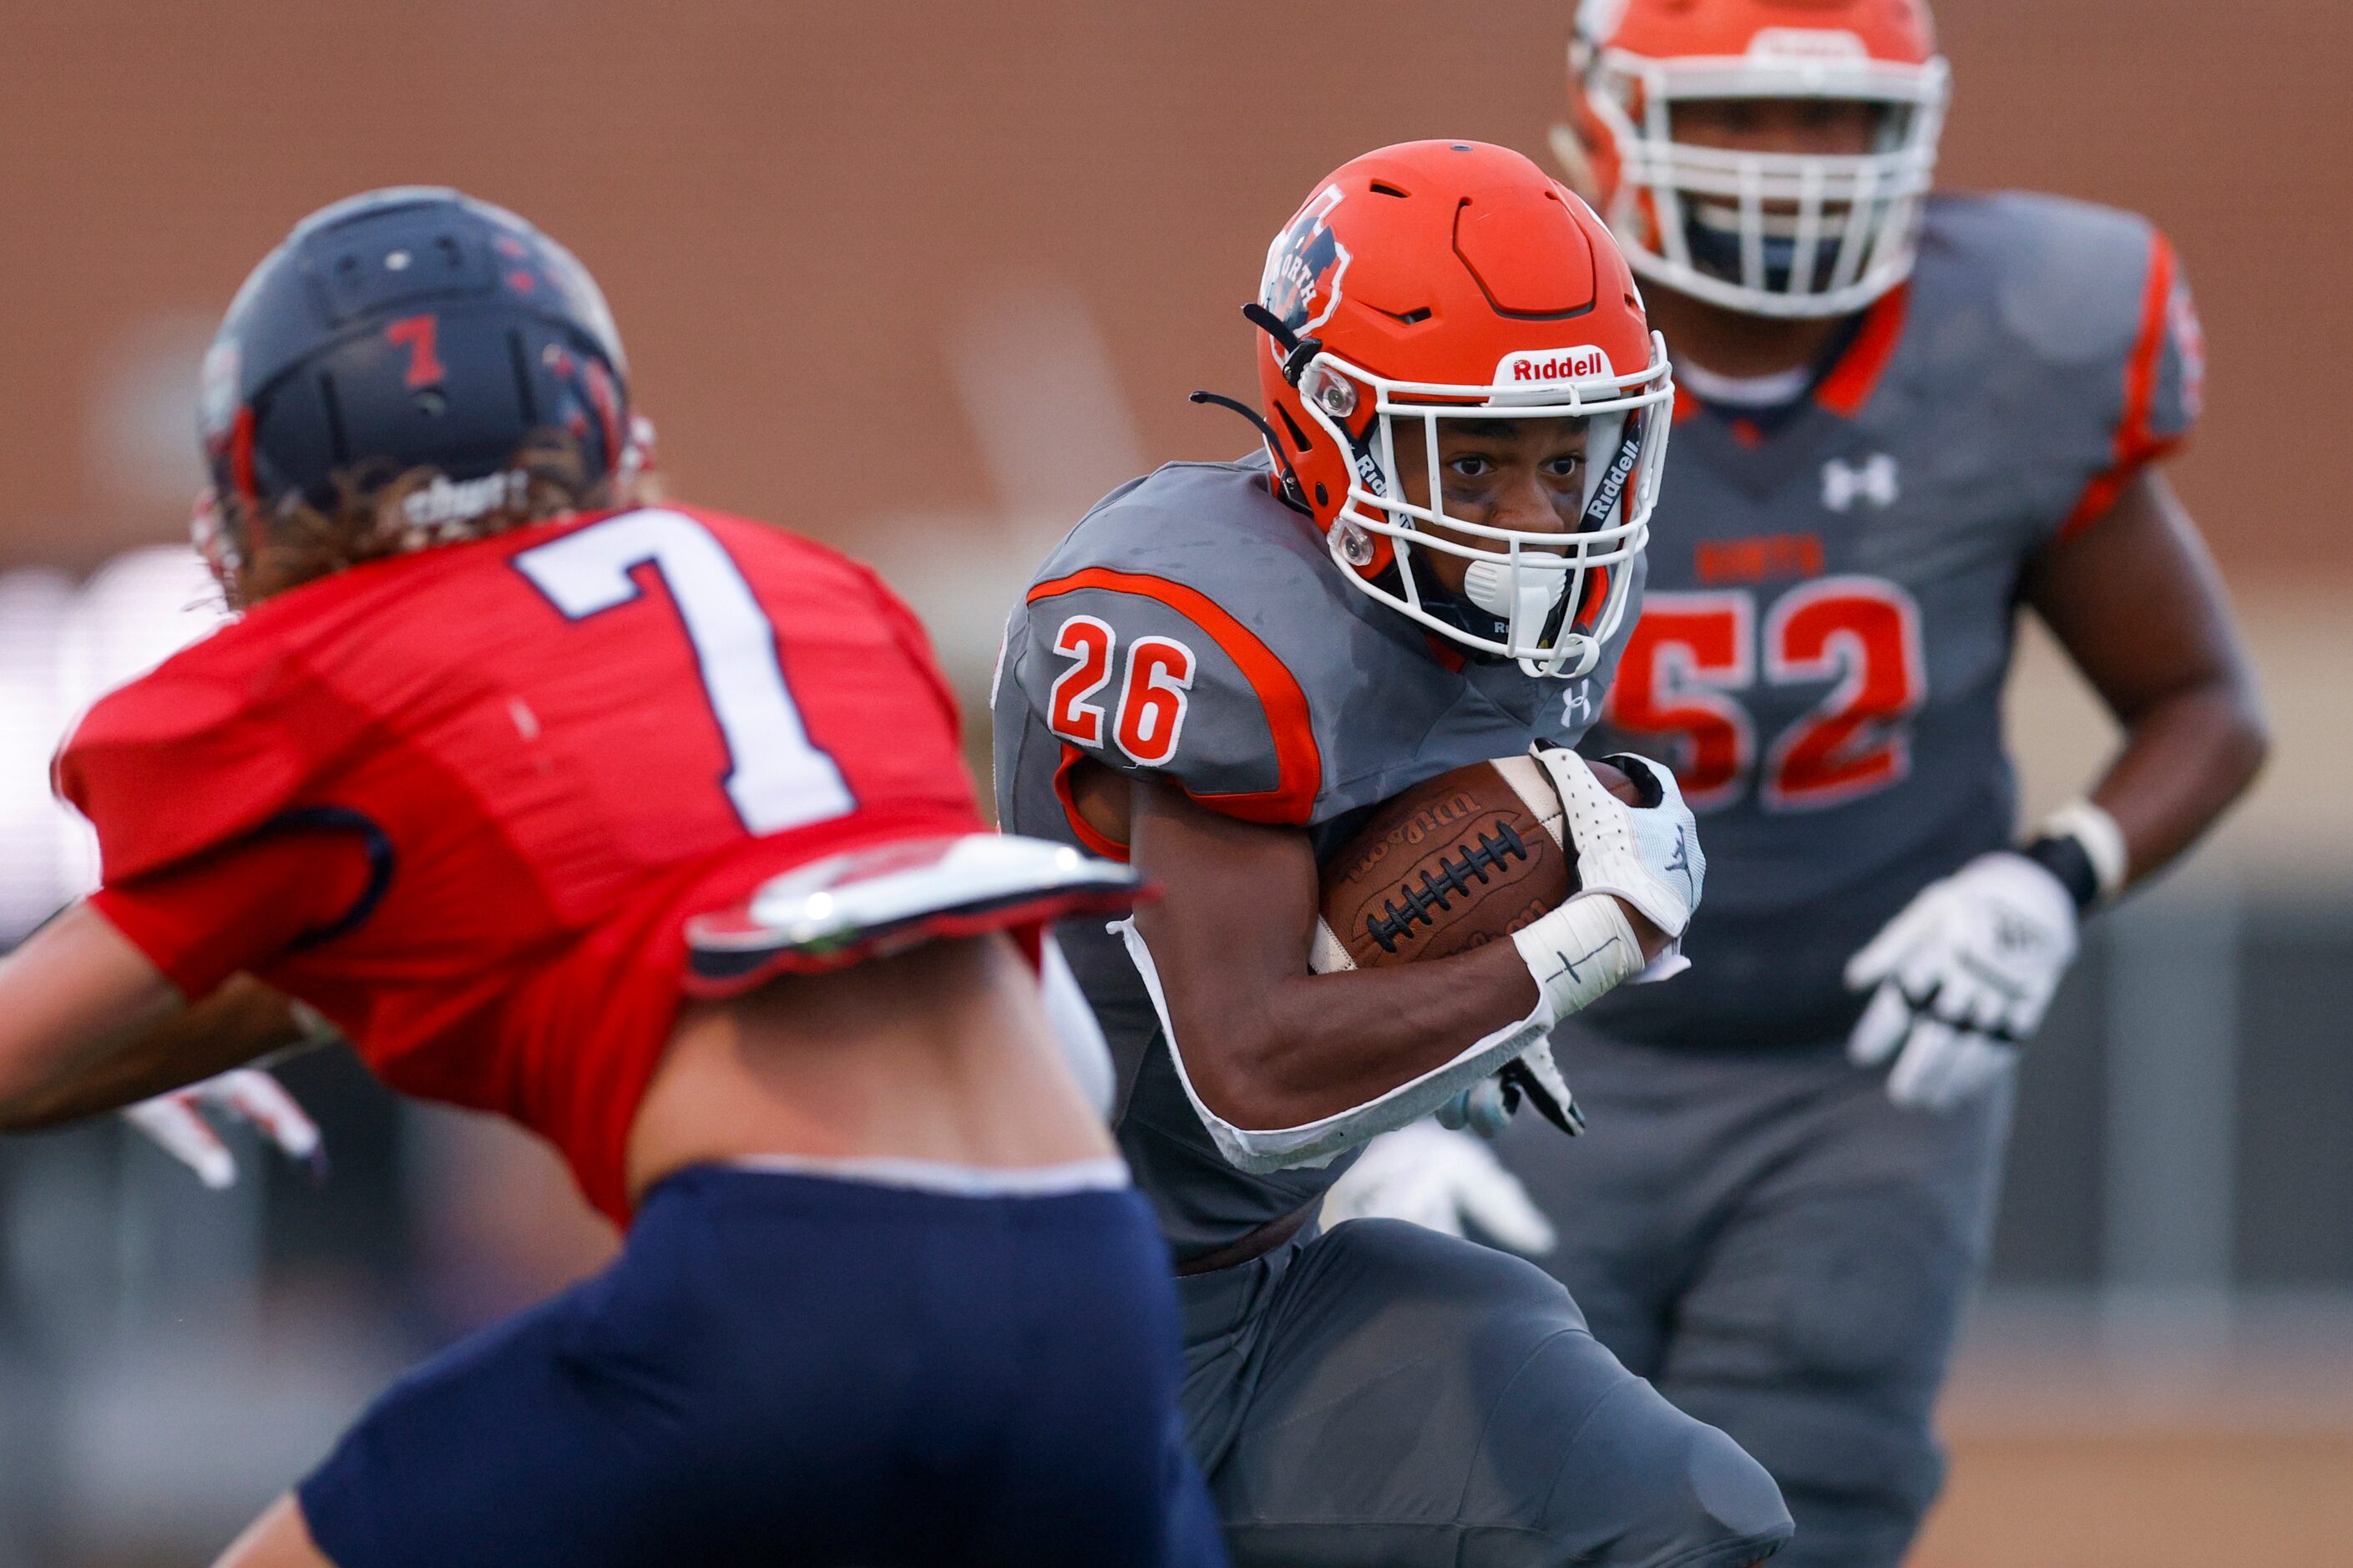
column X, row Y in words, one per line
column 1303, row 267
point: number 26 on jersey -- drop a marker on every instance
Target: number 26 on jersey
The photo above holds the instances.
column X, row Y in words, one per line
column 1698, row 662
column 1146, row 718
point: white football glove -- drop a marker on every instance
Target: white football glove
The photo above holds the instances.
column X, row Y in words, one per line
column 1963, row 976
column 1648, row 856
column 1439, row 1180
column 1486, row 1107
column 177, row 1122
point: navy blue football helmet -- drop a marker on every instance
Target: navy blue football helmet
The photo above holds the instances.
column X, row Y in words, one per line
column 405, row 329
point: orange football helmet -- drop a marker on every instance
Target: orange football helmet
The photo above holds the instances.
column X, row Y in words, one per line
column 1440, row 280
column 1765, row 233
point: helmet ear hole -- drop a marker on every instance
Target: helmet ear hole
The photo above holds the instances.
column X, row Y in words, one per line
column 1323, row 496
column 1298, row 437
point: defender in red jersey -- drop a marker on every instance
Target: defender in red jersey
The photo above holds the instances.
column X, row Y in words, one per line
column 487, row 745
column 633, row 743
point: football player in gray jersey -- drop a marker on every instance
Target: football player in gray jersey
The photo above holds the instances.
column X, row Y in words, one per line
column 1901, row 417
column 1436, row 561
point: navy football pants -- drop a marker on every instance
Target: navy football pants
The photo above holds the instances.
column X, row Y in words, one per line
column 793, row 1369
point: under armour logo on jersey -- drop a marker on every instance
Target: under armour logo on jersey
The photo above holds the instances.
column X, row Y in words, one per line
column 1873, row 479
column 1576, row 705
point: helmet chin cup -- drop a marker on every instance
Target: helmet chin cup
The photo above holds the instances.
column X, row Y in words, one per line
column 1521, row 593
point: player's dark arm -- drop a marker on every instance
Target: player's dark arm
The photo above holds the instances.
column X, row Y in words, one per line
column 88, row 1024
column 1266, row 1043
column 2138, row 605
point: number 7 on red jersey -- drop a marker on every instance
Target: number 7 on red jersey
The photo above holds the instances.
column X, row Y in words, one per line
column 777, row 778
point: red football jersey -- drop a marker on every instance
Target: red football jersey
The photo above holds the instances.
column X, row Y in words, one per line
column 462, row 801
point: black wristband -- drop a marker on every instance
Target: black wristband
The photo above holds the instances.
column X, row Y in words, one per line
column 2065, row 856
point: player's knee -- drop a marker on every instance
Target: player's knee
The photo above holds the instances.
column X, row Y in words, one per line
column 1833, row 1388
column 1634, row 1480
column 1686, row 1493
column 1859, row 1476
column 1628, row 1479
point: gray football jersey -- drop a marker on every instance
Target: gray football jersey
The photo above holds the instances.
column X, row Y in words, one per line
column 1832, row 591
column 1193, row 627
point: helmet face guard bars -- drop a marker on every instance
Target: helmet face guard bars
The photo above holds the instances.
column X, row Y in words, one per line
column 1559, row 595
column 1802, row 234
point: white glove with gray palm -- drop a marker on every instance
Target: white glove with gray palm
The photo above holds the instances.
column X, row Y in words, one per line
column 1961, row 978
column 1648, row 856
column 1442, row 1180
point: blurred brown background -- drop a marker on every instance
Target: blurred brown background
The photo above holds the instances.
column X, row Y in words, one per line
column 795, row 205
column 924, row 279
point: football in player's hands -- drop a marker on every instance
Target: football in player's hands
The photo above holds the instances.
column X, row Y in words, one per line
column 1615, row 780
column 1454, row 863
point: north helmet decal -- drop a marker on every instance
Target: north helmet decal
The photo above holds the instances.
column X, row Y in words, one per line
column 1303, row 267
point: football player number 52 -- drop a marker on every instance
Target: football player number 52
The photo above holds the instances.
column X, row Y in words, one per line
column 775, row 777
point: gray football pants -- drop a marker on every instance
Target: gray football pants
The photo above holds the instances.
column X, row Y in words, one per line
column 1383, row 1396
column 1785, row 1254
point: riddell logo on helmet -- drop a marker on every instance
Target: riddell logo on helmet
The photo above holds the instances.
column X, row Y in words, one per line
column 1807, row 44
column 1533, row 367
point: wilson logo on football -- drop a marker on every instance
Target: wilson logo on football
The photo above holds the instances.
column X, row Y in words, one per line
column 1532, row 367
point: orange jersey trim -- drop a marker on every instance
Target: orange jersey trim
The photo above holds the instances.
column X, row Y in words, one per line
column 1095, row 842
column 1855, row 377
column 1299, row 762
column 2135, row 445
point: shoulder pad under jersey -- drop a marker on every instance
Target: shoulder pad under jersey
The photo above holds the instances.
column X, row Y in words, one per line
column 1194, row 626
column 2111, row 357
column 1141, row 657
column 202, row 749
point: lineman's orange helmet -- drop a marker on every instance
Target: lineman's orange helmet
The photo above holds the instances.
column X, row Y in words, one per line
column 1767, row 233
column 1456, row 280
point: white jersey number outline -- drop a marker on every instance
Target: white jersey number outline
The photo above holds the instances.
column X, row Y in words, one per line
column 1694, row 654
column 775, row 778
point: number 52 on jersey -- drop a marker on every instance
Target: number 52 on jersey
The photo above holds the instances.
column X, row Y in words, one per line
column 1725, row 687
